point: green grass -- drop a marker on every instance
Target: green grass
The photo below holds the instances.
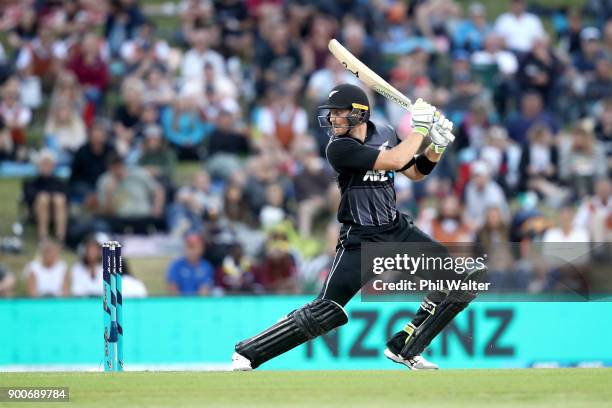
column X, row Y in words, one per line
column 456, row 388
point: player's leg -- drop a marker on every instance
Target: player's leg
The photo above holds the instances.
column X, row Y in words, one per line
column 316, row 318
column 437, row 310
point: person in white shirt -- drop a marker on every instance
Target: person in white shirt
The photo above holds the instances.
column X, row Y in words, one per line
column 131, row 287
column 86, row 273
column 482, row 193
column 47, row 274
column 193, row 61
column 566, row 243
column 595, row 212
column 519, row 28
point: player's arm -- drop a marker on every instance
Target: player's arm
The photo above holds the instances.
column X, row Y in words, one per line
column 422, row 164
column 400, row 157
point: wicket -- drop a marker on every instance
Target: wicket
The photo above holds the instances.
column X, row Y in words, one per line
column 113, row 304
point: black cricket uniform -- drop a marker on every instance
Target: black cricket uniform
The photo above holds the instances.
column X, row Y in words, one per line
column 367, row 210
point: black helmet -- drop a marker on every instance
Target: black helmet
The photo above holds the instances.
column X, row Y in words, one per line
column 347, row 96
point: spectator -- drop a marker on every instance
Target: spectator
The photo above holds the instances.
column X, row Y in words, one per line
column 481, row 193
column 121, row 24
column 518, row 27
column 65, row 131
column 43, row 56
column 15, row 116
column 234, row 275
column 25, row 30
column 89, row 66
column 603, row 130
column 127, row 115
column 539, row 165
column 132, row 287
column 590, row 51
column 89, row 163
column 448, row 225
column 47, row 274
column 470, row 34
column 540, row 70
column 199, row 54
column 184, row 128
column 280, row 59
column 155, row 158
column 67, row 90
column 584, row 161
column 158, row 90
column 86, row 273
column 600, row 86
column 193, row 204
column 566, row 231
column 282, row 122
column 47, row 196
column 191, row 274
column 7, row 283
column 226, row 139
column 595, row 212
column 532, row 111
column 129, row 196
column 145, row 50
column 311, row 184
column 273, row 211
column 493, row 241
column 277, row 272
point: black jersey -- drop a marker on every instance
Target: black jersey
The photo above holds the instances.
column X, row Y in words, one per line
column 368, row 196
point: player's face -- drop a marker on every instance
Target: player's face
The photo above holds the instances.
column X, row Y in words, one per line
column 338, row 119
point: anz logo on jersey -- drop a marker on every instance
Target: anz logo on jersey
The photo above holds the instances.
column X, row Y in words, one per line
column 379, row 175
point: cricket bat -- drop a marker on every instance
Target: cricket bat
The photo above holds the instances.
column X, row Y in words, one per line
column 367, row 76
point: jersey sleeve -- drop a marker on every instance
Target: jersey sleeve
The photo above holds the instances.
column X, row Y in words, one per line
column 348, row 154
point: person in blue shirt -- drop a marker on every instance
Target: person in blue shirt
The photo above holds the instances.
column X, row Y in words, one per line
column 470, row 34
column 190, row 274
column 184, row 128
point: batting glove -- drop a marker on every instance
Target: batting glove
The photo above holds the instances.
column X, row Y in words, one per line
column 422, row 116
column 441, row 134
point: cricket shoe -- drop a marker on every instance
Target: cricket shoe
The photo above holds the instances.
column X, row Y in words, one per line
column 240, row 363
column 413, row 363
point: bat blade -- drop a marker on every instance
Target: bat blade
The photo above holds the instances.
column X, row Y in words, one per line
column 367, row 76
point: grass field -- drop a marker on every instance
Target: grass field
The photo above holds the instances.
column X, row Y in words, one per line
column 453, row 388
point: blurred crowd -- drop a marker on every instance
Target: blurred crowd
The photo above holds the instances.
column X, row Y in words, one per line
column 100, row 107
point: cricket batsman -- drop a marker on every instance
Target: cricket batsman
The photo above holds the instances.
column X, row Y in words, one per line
column 366, row 155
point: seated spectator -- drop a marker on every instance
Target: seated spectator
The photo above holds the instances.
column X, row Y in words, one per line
column 191, row 274
column 595, row 212
column 43, row 56
column 86, row 273
column 566, row 231
column 155, row 157
column 518, row 27
column 65, row 131
column 122, row 21
column 590, row 51
column 539, row 165
column 583, row 161
column 234, row 275
column 277, row 270
column 493, row 241
column 600, row 86
column 448, row 225
column 184, row 128
column 603, row 130
column 282, row 122
column 47, row 194
column 7, row 283
column 311, row 184
column 127, row 115
column 129, row 197
column 225, row 143
column 158, row 89
column 472, row 130
column 144, row 50
column 25, row 30
column 481, row 193
column 200, row 53
column 88, row 64
column 193, row 204
column 132, row 287
column 470, row 33
column 15, row 116
column 47, row 275
column 273, row 211
column 89, row 163
column 67, row 90
column 532, row 111
column 540, row 71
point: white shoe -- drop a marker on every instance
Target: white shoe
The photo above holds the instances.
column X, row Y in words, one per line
column 240, row 363
column 414, row 363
